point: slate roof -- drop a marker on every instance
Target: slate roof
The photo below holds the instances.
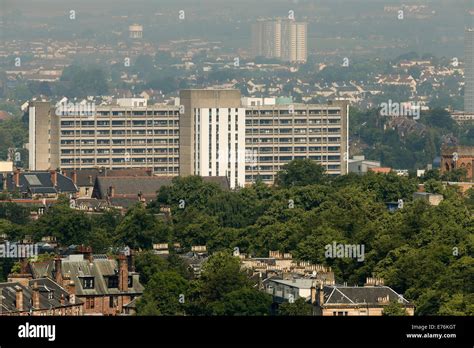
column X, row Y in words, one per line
column 39, row 182
column 126, row 189
column 77, row 269
column 337, row 294
column 47, row 288
column 87, row 177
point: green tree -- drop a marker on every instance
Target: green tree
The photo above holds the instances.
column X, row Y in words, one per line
column 165, row 294
column 140, row 229
column 394, row 309
column 298, row 308
column 243, row 302
column 300, row 172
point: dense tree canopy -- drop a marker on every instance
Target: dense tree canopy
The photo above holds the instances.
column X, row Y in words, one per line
column 422, row 251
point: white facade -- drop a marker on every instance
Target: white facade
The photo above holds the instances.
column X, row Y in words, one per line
column 219, row 144
column 469, row 71
column 32, row 139
column 132, row 102
column 6, row 166
column 255, row 101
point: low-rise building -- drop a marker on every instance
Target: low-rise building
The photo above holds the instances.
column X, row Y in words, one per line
column 104, row 285
column 367, row 300
column 458, row 157
column 337, row 300
column 359, row 165
column 431, row 198
column 125, row 191
column 37, row 184
column 37, row 297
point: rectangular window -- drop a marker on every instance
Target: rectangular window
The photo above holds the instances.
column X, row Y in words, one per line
column 90, row 303
column 88, row 283
column 113, row 282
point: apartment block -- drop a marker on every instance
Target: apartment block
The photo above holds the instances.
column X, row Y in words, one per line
column 211, row 133
column 277, row 134
column 284, row 39
column 129, row 134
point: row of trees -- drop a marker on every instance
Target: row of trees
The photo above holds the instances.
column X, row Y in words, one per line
column 422, row 251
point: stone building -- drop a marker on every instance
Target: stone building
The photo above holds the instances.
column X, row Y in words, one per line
column 105, row 286
column 37, row 297
column 456, row 157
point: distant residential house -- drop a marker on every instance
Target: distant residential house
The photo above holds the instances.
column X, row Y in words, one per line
column 37, row 297
column 337, row 300
column 38, row 184
column 283, row 266
column 431, row 198
column 85, row 179
column 359, row 165
column 367, row 300
column 104, row 285
column 125, row 191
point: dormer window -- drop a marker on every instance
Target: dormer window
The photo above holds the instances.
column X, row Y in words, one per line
column 88, row 283
column 113, row 282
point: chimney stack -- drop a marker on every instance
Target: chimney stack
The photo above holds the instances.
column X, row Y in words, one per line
column 58, row 270
column 123, row 273
column 313, row 292
column 17, row 178
column 19, row 298
column 74, row 177
column 54, row 178
column 321, row 295
column 36, row 296
column 111, row 191
column 86, row 252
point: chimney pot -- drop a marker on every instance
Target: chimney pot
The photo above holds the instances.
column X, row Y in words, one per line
column 36, row 296
column 58, row 270
column 19, row 298
column 123, row 273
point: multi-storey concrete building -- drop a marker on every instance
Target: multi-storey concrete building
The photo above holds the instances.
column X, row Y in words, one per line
column 207, row 133
column 123, row 135
column 212, row 134
column 43, row 136
column 278, row 134
column 284, row 39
